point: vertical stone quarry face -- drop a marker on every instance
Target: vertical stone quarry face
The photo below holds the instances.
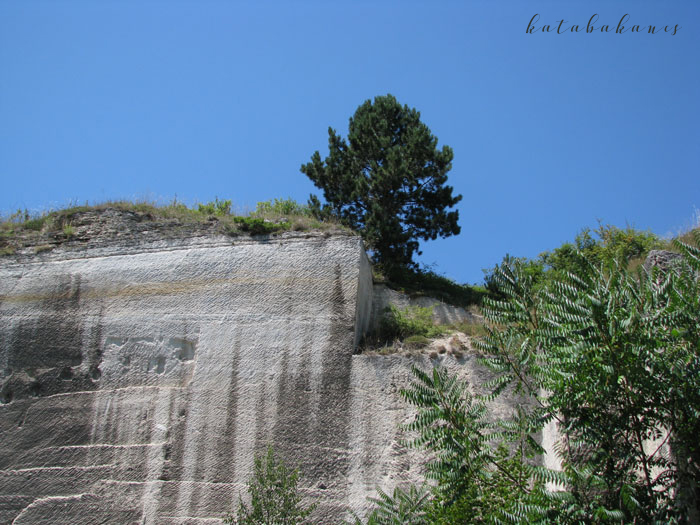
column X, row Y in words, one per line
column 138, row 380
column 136, row 388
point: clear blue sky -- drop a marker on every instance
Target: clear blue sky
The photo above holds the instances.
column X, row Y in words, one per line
column 551, row 132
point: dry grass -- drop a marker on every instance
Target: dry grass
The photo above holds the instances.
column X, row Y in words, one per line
column 43, row 248
column 685, row 234
column 686, row 237
column 472, row 329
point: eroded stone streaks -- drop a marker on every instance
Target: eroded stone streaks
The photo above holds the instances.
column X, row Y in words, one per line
column 137, row 388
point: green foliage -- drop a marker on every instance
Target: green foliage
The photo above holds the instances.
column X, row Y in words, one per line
column 216, row 207
column 532, row 268
column 612, row 244
column 387, row 181
column 475, row 482
column 609, row 354
column 684, row 368
column 601, row 246
column 450, row 421
column 401, row 508
column 411, row 321
column 68, row 230
column 617, row 354
column 259, row 226
column 35, row 224
column 282, row 207
column 275, row 497
column 492, row 496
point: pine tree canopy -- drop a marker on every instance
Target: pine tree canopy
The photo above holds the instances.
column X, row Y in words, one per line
column 387, row 181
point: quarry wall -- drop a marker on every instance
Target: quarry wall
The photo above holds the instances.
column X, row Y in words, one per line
column 138, row 380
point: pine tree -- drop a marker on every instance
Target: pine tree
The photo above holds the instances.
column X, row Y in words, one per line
column 387, row 181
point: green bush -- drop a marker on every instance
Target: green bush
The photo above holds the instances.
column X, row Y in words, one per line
column 403, row 507
column 282, row 207
column 621, row 369
column 532, row 269
column 601, row 246
column 35, row 224
column 411, row 321
column 275, row 497
column 259, row 226
column 617, row 352
column 216, row 207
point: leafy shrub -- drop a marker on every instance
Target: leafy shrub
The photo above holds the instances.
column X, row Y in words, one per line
column 216, row 207
column 621, row 368
column 35, row 224
column 275, row 497
column 281, row 207
column 534, row 269
column 68, row 230
column 601, row 246
column 259, row 226
column 401, row 508
column 617, row 353
column 411, row 321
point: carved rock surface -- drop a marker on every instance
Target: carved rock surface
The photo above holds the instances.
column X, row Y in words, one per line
column 138, row 378
column 136, row 387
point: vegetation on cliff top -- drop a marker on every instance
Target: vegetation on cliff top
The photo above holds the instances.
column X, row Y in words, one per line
column 269, row 217
column 601, row 245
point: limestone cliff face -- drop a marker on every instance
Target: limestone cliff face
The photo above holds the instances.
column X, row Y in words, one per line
column 138, row 378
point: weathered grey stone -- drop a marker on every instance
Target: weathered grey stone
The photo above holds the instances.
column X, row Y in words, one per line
column 143, row 383
column 138, row 380
column 662, row 259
